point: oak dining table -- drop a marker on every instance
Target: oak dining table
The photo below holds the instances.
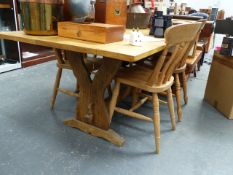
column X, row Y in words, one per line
column 92, row 114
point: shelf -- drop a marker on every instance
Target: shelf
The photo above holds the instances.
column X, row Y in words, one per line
column 8, row 67
column 5, row 6
column 33, row 58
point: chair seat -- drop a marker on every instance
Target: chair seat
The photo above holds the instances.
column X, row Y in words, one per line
column 180, row 69
column 137, row 76
column 201, row 45
column 193, row 61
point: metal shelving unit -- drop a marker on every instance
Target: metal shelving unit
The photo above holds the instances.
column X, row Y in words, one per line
column 10, row 57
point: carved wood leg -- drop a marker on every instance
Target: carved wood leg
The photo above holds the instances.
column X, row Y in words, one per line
column 108, row 135
column 178, row 97
column 91, row 108
column 171, row 108
column 185, row 88
column 101, row 81
column 156, row 122
column 55, row 88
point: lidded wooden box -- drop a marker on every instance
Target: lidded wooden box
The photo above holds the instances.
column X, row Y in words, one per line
column 96, row 32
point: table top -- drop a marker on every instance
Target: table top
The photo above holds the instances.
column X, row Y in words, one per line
column 182, row 21
column 187, row 21
column 118, row 50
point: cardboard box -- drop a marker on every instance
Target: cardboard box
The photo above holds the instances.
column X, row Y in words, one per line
column 219, row 89
column 96, row 32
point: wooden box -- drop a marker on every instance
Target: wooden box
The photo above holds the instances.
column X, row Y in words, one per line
column 111, row 11
column 96, row 32
column 219, row 89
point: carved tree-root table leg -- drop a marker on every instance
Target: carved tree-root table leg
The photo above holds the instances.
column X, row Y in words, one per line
column 92, row 115
column 109, row 135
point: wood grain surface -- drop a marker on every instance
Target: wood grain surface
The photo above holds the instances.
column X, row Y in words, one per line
column 118, row 50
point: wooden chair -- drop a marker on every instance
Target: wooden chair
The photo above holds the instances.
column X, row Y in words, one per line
column 156, row 80
column 193, row 64
column 206, row 35
column 62, row 63
column 204, row 41
column 180, row 72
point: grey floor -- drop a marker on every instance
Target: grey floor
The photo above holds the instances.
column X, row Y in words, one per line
column 34, row 141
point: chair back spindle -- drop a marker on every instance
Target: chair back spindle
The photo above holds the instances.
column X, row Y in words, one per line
column 193, row 45
column 180, row 39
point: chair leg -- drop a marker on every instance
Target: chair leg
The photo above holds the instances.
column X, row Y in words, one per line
column 113, row 101
column 109, row 90
column 156, row 122
column 195, row 72
column 77, row 87
column 202, row 57
column 178, row 97
column 125, row 93
column 171, row 108
column 185, row 88
column 199, row 65
column 55, row 88
column 135, row 95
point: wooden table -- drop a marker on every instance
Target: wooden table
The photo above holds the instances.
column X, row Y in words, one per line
column 92, row 112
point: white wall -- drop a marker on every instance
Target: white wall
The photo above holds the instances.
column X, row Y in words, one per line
column 227, row 5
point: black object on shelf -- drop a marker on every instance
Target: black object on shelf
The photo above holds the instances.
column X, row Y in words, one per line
column 160, row 23
column 224, row 27
column 227, row 46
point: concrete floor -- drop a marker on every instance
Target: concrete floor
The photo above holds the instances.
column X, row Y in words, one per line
column 34, row 141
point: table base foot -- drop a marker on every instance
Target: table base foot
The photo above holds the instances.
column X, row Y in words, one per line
column 108, row 135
